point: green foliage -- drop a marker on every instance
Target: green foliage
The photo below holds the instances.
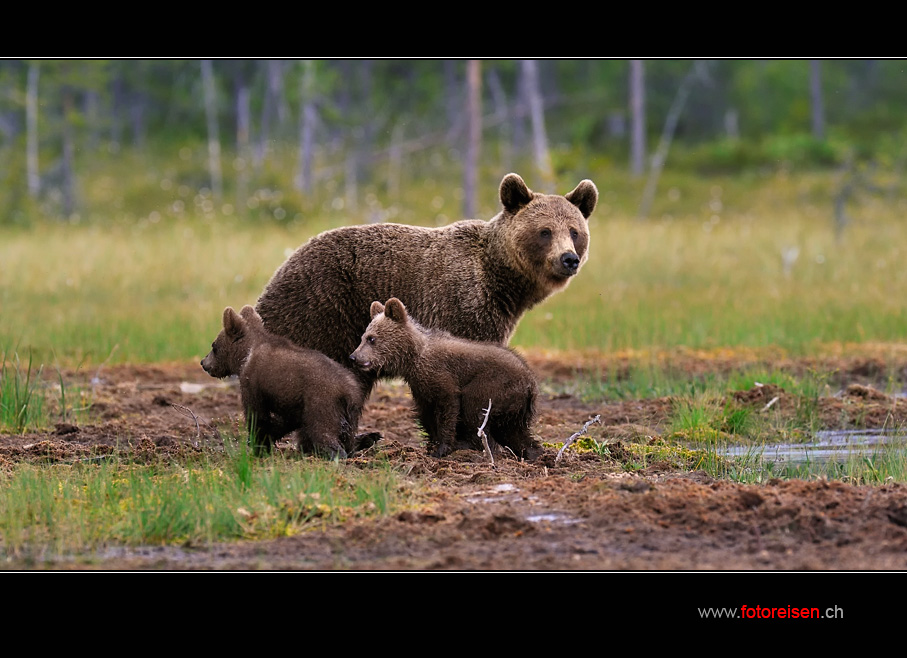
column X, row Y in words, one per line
column 734, row 156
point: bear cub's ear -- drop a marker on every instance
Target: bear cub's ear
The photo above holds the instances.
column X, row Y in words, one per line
column 395, row 310
column 376, row 308
column 514, row 193
column 250, row 315
column 234, row 325
column 584, row 196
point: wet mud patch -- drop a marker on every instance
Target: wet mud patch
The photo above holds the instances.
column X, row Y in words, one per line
column 595, row 510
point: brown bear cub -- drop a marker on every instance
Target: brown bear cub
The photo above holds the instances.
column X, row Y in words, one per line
column 452, row 379
column 285, row 388
column 473, row 278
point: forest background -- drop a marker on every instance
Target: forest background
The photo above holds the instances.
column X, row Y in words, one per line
column 132, row 189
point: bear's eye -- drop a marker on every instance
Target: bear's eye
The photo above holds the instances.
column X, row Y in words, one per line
column 213, row 348
column 370, row 340
column 545, row 233
column 574, row 234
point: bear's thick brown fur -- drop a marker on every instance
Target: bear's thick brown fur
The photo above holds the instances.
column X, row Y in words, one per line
column 452, row 381
column 472, row 278
column 286, row 388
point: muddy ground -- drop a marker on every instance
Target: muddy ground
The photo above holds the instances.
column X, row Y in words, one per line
column 583, row 511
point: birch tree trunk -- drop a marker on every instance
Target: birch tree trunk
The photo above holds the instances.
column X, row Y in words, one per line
column 499, row 98
column 274, row 104
column 637, row 118
column 69, row 196
column 213, row 137
column 243, row 130
column 307, row 120
column 474, row 135
column 699, row 71
column 31, row 139
column 542, row 157
column 815, row 94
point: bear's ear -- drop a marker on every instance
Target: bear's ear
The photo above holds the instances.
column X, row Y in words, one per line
column 395, row 310
column 376, row 308
column 584, row 196
column 233, row 324
column 250, row 315
column 514, row 193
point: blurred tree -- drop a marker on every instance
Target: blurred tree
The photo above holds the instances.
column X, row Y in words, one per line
column 815, row 95
column 474, row 136
column 213, row 134
column 699, row 72
column 529, row 69
column 31, row 120
column 637, row 118
column 307, row 119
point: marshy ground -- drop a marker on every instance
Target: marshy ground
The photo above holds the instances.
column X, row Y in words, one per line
column 637, row 503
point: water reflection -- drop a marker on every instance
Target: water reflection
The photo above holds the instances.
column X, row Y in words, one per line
column 830, row 445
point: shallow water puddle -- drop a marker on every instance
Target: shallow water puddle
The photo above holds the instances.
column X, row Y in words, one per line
column 508, row 492
column 830, row 445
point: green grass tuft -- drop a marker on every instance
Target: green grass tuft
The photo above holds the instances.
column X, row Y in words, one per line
column 51, row 511
column 21, row 400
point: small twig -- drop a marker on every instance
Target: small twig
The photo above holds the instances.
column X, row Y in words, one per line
column 484, row 436
column 97, row 376
column 187, row 411
column 770, row 403
column 575, row 436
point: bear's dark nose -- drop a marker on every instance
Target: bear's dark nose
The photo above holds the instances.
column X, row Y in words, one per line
column 353, row 357
column 570, row 261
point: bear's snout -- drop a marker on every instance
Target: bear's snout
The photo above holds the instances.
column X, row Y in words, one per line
column 361, row 364
column 570, row 263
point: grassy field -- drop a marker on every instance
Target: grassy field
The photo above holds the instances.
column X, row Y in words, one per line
column 747, row 263
column 725, row 263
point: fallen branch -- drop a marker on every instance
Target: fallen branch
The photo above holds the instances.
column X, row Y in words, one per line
column 484, row 436
column 576, row 435
column 770, row 403
column 186, row 411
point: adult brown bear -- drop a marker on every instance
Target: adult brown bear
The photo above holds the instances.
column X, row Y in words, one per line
column 472, row 278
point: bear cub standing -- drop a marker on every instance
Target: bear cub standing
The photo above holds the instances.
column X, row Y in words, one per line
column 286, row 388
column 452, row 380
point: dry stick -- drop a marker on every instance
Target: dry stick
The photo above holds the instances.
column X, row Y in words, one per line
column 485, row 436
column 771, row 402
column 575, row 436
column 188, row 411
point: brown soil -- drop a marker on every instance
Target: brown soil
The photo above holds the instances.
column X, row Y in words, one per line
column 581, row 512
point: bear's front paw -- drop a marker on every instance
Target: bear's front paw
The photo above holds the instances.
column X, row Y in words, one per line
column 441, row 450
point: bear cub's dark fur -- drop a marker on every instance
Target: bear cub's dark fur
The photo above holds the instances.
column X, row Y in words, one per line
column 286, row 388
column 452, row 380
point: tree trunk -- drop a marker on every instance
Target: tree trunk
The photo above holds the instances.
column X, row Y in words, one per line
column 213, row 138
column 499, row 98
column 537, row 112
column 69, row 187
column 307, row 120
column 699, row 71
column 243, row 131
column 637, row 118
column 31, row 120
column 815, row 94
column 474, row 135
